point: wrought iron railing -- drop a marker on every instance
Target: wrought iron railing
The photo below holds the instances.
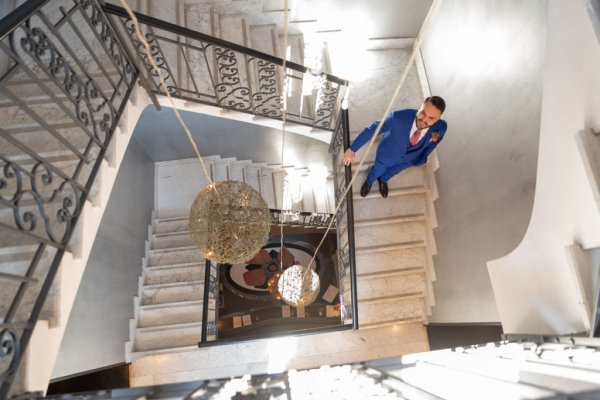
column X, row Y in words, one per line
column 204, row 69
column 64, row 82
column 342, row 175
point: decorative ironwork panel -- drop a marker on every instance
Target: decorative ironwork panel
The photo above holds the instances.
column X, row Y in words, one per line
column 64, row 82
column 326, row 103
column 267, row 100
column 159, row 59
column 231, row 91
column 203, row 69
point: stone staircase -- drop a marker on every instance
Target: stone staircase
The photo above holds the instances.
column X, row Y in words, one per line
column 168, row 306
column 16, row 252
column 394, row 236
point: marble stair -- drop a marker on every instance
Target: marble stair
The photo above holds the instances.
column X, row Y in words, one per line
column 16, row 251
column 168, row 305
column 395, row 245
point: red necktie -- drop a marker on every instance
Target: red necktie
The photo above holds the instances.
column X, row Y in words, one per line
column 414, row 138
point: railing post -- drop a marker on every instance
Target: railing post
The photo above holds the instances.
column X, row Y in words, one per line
column 207, row 267
column 350, row 217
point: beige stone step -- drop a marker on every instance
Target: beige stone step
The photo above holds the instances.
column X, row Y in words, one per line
column 168, row 336
column 170, row 314
column 181, row 255
column 377, row 207
column 415, row 257
column 172, row 292
column 392, row 309
column 389, row 283
column 174, row 273
column 390, row 233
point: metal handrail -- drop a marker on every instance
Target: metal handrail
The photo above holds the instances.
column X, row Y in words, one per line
column 350, row 217
column 90, row 111
column 167, row 26
column 202, row 69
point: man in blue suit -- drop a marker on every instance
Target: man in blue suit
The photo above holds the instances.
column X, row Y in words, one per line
column 408, row 137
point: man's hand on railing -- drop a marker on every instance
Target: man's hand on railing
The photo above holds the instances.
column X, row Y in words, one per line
column 349, row 156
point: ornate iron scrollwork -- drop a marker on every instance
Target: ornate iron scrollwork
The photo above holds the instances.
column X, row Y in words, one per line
column 327, row 97
column 89, row 104
column 230, row 92
column 46, row 192
column 159, row 58
column 267, row 101
column 10, row 353
column 111, row 44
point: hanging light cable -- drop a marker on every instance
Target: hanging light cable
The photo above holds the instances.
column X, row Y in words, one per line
column 229, row 221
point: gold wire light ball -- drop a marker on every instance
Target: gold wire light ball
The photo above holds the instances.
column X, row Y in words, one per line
column 229, row 222
column 299, row 287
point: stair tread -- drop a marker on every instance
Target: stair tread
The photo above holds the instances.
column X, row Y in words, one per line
column 161, row 328
column 172, row 304
column 401, row 296
column 172, row 284
column 173, row 266
column 391, row 220
column 391, row 272
column 392, row 192
column 415, row 243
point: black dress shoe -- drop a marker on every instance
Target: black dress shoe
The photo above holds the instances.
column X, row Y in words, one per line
column 365, row 189
column 383, row 189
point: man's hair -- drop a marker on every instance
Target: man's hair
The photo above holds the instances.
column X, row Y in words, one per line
column 437, row 102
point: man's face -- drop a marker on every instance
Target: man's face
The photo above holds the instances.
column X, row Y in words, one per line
column 427, row 116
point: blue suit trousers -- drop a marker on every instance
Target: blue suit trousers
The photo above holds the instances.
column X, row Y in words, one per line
column 385, row 172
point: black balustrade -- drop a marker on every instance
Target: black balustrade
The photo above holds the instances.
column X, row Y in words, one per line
column 64, row 82
column 207, row 70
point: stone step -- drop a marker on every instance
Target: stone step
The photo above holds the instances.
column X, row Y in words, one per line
column 237, row 170
column 201, row 18
column 253, row 177
column 377, row 207
column 171, row 240
column 174, row 273
column 415, row 257
column 413, row 176
column 168, row 336
column 70, row 137
column 172, row 292
column 220, row 169
column 168, row 225
column 392, row 192
column 265, row 38
column 181, row 255
column 386, row 234
column 395, row 283
column 392, row 309
column 267, row 185
column 170, row 314
column 389, row 220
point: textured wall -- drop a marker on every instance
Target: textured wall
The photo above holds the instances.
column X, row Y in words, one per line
column 486, row 59
column 98, row 326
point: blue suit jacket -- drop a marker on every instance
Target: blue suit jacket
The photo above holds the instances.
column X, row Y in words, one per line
column 394, row 147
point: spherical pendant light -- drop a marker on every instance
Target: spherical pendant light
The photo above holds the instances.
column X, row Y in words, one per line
column 229, row 222
column 299, row 286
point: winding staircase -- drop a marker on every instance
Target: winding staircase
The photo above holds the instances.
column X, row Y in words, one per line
column 394, row 236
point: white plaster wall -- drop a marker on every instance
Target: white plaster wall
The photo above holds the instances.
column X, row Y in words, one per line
column 98, row 326
column 485, row 58
column 534, row 284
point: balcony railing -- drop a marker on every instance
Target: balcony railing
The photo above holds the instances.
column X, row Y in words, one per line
column 207, row 70
column 64, row 82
